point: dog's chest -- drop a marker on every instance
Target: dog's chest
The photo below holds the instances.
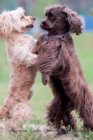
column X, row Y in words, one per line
column 9, row 50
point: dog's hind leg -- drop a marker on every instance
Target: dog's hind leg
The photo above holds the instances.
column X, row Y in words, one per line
column 59, row 110
column 10, row 124
column 2, row 126
column 86, row 109
column 3, row 111
column 20, row 114
column 70, row 120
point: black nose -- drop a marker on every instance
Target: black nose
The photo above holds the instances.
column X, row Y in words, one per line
column 43, row 22
column 34, row 18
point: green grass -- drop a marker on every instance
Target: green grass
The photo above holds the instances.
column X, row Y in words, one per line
column 42, row 94
column 84, row 49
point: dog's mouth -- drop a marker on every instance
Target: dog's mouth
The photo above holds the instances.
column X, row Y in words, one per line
column 41, row 25
column 29, row 26
column 44, row 27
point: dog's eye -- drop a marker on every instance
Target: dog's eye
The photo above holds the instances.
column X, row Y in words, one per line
column 72, row 15
column 22, row 17
column 51, row 17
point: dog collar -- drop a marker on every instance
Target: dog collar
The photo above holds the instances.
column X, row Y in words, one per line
column 46, row 37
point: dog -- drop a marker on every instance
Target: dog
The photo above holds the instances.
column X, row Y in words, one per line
column 16, row 109
column 60, row 68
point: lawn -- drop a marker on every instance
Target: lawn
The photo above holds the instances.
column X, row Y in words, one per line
column 42, row 94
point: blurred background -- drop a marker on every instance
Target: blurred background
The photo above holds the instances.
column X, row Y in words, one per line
column 83, row 45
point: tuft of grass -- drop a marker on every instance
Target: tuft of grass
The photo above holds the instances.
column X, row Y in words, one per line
column 25, row 135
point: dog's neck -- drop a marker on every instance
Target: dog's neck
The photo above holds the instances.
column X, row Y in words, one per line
column 13, row 36
column 48, row 37
column 56, row 33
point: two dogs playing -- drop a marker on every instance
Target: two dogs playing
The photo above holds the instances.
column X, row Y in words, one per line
column 57, row 62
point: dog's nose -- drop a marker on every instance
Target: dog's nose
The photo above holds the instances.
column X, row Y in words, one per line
column 34, row 18
column 43, row 23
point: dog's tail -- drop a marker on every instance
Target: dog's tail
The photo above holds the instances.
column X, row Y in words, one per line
column 3, row 111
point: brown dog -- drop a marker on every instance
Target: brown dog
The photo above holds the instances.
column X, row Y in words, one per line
column 61, row 69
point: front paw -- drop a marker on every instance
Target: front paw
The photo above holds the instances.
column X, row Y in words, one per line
column 45, row 79
column 34, row 61
column 34, row 56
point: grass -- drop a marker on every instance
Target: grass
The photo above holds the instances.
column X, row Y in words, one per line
column 42, row 94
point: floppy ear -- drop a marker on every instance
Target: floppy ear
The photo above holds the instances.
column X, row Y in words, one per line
column 5, row 24
column 73, row 20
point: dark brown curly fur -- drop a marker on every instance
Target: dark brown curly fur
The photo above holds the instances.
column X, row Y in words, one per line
column 61, row 69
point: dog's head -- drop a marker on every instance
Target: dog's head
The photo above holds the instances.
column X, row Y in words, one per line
column 61, row 18
column 15, row 21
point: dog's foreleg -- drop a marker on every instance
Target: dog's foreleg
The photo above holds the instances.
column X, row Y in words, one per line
column 30, row 60
column 23, row 55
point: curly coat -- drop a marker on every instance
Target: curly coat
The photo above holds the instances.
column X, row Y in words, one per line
column 16, row 109
column 61, row 69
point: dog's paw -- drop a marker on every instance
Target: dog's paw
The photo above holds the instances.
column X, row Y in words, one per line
column 61, row 131
column 34, row 56
column 34, row 60
column 45, row 79
column 31, row 60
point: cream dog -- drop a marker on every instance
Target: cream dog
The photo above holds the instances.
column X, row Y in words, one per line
column 16, row 108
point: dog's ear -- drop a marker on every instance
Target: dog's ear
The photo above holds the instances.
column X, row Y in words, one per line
column 5, row 24
column 74, row 20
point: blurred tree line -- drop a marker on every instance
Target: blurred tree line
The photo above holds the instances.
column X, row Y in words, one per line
column 36, row 7
column 81, row 6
